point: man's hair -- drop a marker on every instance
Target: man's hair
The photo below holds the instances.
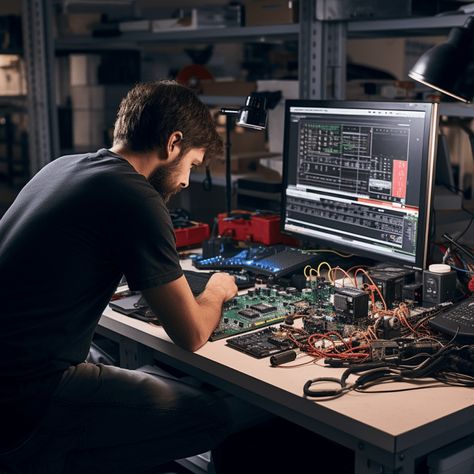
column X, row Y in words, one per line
column 152, row 111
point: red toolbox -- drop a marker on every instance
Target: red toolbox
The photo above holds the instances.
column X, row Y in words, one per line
column 192, row 235
column 251, row 227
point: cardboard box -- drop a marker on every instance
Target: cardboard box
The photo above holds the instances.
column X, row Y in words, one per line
column 77, row 23
column 98, row 97
column 244, row 140
column 94, row 112
column 270, row 12
column 188, row 22
column 134, row 25
column 12, row 75
column 247, row 147
column 83, row 69
column 10, row 7
column 229, row 88
column 238, row 165
column 88, row 128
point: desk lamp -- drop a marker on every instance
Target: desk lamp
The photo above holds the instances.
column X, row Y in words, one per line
column 252, row 115
column 445, row 66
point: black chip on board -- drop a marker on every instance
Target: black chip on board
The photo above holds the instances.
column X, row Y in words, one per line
column 249, row 313
column 263, row 308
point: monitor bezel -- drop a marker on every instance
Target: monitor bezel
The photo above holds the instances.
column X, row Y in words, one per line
column 430, row 133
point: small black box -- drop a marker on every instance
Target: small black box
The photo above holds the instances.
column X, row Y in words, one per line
column 413, row 292
column 409, row 274
column 390, row 279
column 389, row 284
column 351, row 302
column 438, row 287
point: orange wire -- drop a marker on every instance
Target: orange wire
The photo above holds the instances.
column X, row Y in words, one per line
column 335, row 269
column 374, row 285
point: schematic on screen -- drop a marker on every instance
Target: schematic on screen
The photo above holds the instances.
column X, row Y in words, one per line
column 356, row 175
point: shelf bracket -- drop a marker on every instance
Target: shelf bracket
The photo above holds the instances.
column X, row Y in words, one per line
column 322, row 55
column 39, row 61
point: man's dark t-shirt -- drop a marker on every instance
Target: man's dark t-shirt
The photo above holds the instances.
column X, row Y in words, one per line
column 76, row 227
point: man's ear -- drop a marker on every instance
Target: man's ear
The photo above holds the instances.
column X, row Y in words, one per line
column 173, row 146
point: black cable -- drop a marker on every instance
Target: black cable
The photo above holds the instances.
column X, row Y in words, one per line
column 377, row 376
column 450, row 365
column 416, row 356
column 394, row 390
column 343, row 387
column 458, row 246
column 455, row 379
column 467, row 227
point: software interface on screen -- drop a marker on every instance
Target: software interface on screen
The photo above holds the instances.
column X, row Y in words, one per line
column 357, row 177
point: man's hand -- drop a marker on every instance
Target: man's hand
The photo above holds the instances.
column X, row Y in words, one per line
column 222, row 283
column 190, row 321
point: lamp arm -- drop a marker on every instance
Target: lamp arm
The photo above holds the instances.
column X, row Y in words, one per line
column 226, row 111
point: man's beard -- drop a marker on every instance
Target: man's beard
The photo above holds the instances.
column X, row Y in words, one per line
column 162, row 179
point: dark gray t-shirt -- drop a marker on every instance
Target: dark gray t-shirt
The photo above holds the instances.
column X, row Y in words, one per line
column 75, row 228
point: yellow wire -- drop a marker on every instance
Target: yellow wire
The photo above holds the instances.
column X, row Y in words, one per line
column 305, row 271
column 320, row 265
column 331, row 251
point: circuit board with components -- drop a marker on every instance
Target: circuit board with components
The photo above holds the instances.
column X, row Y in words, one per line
column 266, row 342
column 261, row 307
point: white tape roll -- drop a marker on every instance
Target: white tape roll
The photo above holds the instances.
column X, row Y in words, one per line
column 439, row 268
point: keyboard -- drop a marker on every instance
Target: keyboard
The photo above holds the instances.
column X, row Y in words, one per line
column 282, row 263
column 457, row 321
column 275, row 262
column 237, row 261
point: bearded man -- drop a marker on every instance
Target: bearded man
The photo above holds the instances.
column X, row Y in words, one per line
column 80, row 224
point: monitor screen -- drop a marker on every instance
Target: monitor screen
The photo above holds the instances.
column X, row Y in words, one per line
column 358, row 176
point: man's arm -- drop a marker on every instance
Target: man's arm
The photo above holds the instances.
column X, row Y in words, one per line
column 189, row 321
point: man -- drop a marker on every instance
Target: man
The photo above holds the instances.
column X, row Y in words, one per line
column 75, row 228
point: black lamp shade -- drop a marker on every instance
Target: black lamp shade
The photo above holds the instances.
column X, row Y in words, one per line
column 254, row 113
column 444, row 67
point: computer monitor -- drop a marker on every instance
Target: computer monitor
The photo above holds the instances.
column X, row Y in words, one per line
column 358, row 176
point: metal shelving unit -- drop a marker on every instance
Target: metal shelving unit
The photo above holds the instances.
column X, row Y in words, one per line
column 331, row 54
column 453, row 109
column 18, row 101
column 43, row 141
column 421, row 26
column 322, row 57
column 136, row 39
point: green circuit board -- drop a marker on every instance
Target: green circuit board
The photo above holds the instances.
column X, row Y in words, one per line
column 264, row 306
